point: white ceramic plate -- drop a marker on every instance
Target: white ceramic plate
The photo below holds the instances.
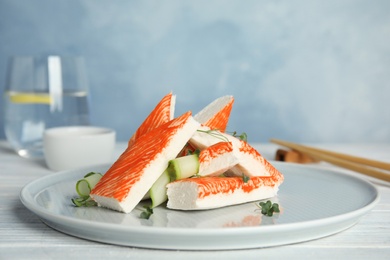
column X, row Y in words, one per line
column 314, row 203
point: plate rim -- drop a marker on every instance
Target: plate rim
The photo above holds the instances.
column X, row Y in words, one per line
column 54, row 220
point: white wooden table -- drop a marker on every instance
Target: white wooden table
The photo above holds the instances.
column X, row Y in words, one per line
column 24, row 236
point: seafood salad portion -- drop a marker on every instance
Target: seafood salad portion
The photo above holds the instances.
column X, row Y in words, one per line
column 188, row 162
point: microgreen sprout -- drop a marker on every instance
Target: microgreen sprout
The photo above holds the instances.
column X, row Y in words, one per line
column 215, row 133
column 197, row 151
column 268, row 208
column 146, row 213
column 242, row 136
column 245, row 178
column 84, row 201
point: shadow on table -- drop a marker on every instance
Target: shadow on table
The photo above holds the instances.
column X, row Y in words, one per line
column 6, row 148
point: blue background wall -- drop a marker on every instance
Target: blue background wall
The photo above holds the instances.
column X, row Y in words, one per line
column 310, row 71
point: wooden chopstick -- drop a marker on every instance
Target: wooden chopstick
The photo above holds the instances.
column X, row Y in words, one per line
column 358, row 164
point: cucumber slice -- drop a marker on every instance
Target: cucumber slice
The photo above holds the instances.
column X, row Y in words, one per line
column 183, row 167
column 158, row 192
column 83, row 189
column 85, row 185
column 179, row 168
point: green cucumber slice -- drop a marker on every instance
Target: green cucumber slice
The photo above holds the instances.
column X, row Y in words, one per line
column 158, row 192
column 179, row 168
column 85, row 185
column 183, row 167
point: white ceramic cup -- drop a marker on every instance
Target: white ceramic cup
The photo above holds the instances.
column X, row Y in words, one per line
column 78, row 146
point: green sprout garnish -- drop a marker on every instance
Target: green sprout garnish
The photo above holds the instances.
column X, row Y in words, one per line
column 268, row 208
column 215, row 133
column 146, row 213
column 196, row 151
column 242, row 136
column 84, row 201
column 245, row 178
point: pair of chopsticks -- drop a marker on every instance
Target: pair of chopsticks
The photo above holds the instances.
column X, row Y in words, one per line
column 365, row 166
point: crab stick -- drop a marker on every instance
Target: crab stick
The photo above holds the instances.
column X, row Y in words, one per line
column 215, row 192
column 162, row 113
column 124, row 185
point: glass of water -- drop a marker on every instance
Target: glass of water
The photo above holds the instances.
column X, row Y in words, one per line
column 40, row 93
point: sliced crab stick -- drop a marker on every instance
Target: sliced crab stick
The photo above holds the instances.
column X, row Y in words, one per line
column 161, row 114
column 124, row 185
column 215, row 192
column 216, row 114
column 250, row 161
column 217, row 159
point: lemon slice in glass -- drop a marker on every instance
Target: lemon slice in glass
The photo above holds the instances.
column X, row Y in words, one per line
column 31, row 98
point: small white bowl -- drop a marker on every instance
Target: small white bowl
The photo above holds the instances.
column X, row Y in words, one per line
column 73, row 147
